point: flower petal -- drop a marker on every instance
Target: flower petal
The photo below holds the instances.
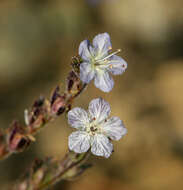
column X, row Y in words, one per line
column 99, row 109
column 117, row 65
column 101, row 146
column 104, row 81
column 86, row 72
column 114, row 128
column 78, row 118
column 102, row 43
column 79, row 141
column 84, row 50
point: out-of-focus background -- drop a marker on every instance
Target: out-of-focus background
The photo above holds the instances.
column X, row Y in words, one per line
column 38, row 39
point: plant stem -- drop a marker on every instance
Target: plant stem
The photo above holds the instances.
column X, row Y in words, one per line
column 47, row 173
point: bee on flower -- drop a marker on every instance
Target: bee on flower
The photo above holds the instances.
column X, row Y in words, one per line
column 95, row 129
column 98, row 63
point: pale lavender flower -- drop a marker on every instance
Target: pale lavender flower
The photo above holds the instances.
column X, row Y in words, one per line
column 95, row 129
column 98, row 64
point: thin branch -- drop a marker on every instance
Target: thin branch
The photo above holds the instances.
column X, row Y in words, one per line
column 44, row 174
column 18, row 138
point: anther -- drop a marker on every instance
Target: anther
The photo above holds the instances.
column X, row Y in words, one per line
column 93, row 129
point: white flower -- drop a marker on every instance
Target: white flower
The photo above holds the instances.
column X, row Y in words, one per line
column 95, row 129
column 98, row 64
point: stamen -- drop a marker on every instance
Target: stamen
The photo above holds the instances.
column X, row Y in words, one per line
column 110, row 55
column 93, row 129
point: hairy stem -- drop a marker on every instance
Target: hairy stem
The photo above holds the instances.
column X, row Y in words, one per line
column 44, row 174
column 18, row 137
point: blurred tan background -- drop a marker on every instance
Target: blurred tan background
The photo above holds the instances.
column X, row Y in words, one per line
column 38, row 39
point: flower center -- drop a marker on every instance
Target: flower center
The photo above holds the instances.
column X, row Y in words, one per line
column 93, row 128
